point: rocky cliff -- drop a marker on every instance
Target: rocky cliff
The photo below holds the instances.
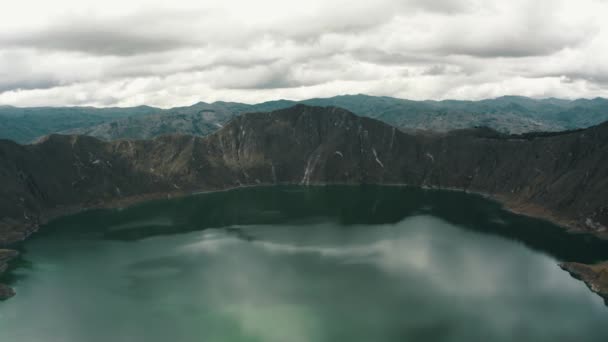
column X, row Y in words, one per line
column 561, row 176
column 595, row 276
column 6, row 255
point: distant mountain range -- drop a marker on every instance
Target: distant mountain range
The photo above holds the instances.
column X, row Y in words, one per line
column 25, row 125
column 508, row 114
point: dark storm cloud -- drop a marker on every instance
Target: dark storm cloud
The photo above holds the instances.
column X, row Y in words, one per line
column 97, row 41
column 509, row 47
column 527, row 29
column 597, row 77
column 151, row 31
column 377, row 56
column 437, row 70
column 144, row 67
column 601, row 78
column 140, row 33
column 275, row 80
column 440, row 6
column 266, row 77
column 349, row 18
column 28, row 84
column 138, row 51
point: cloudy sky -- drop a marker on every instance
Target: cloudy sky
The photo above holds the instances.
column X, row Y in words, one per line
column 178, row 52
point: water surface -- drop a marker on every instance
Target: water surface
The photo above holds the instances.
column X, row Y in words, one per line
column 304, row 264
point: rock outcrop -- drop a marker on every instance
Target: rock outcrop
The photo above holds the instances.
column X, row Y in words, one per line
column 560, row 176
column 595, row 276
column 6, row 255
column 6, row 292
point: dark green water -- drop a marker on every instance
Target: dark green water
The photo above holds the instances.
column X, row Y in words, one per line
column 295, row 264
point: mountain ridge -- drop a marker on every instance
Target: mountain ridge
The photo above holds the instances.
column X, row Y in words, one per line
column 266, row 123
column 508, row 114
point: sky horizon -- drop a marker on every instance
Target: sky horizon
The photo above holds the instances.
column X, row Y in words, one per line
column 282, row 99
column 141, row 52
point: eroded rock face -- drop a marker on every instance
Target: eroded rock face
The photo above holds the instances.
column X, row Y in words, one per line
column 560, row 176
column 6, row 292
column 6, row 255
column 595, row 276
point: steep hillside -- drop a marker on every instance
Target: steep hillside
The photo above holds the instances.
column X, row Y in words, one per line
column 200, row 119
column 560, row 176
column 25, row 125
column 509, row 114
column 199, row 123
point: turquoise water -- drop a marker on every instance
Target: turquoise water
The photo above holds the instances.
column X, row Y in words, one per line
column 304, row 264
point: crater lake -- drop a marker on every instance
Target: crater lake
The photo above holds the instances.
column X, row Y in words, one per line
column 300, row 264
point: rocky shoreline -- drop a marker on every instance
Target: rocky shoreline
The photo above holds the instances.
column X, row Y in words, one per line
column 595, row 276
column 6, row 255
column 587, row 273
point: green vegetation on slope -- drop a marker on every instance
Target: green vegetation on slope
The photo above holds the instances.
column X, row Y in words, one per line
column 508, row 114
column 25, row 125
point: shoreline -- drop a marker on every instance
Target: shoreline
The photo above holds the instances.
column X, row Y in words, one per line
column 6, row 255
column 510, row 205
column 594, row 276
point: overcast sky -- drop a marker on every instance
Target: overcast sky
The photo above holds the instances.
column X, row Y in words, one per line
column 178, row 52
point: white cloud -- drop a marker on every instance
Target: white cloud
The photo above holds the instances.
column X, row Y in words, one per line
column 142, row 52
